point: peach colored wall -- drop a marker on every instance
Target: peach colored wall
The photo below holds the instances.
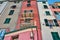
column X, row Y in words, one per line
column 7, row 38
column 56, row 9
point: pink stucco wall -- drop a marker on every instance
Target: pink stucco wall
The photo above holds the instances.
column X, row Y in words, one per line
column 26, row 35
column 36, row 16
column 8, row 38
column 23, row 36
column 57, row 10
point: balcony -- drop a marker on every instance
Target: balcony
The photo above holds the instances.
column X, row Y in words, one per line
column 24, row 28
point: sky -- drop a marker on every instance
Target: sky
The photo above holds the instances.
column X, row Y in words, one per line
column 52, row 1
column 49, row 1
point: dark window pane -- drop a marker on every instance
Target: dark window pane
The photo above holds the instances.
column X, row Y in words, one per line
column 28, row 5
column 11, row 12
column 46, row 22
column 15, row 37
column 25, row 11
column 56, row 12
column 47, row 13
column 45, row 6
column 31, row 10
column 55, row 21
column 53, row 7
column 44, row 2
column 7, row 20
column 58, row 6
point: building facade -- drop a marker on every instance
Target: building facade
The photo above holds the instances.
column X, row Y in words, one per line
column 30, row 20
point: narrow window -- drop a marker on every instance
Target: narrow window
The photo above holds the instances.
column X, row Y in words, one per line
column 53, row 7
column 46, row 22
column 56, row 12
column 44, row 2
column 11, row 12
column 47, row 13
column 15, row 37
column 7, row 20
column 28, row 5
column 58, row 6
column 45, row 6
column 31, row 10
column 55, row 21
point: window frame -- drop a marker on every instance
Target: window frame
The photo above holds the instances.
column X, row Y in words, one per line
column 45, row 6
column 47, row 13
column 7, row 20
column 11, row 12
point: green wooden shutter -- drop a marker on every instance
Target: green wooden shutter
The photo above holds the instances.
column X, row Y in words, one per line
column 45, row 6
column 46, row 22
column 55, row 36
column 55, row 21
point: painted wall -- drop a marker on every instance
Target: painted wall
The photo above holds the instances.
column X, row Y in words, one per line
column 22, row 35
column 3, row 5
column 57, row 10
column 46, row 31
column 36, row 16
column 11, row 26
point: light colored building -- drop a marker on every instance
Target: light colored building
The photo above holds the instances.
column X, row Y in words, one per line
column 30, row 20
column 49, row 25
column 9, row 16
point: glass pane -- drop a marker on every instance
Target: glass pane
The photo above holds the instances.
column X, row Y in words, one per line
column 47, row 13
column 11, row 12
column 7, row 20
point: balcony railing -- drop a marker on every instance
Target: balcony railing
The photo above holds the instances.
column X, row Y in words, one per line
column 21, row 29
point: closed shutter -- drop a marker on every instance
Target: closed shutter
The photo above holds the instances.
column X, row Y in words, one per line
column 46, row 22
column 55, row 21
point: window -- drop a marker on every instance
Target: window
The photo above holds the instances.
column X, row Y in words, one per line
column 15, row 37
column 53, row 7
column 47, row 12
column 28, row 1
column 1, row 2
column 28, row 5
column 45, row 6
column 44, row 2
column 46, row 22
column 11, row 12
column 27, row 20
column 14, row 6
column 56, row 12
column 7, row 20
column 31, row 10
column 28, row 11
column 55, row 21
column 55, row 35
column 49, row 22
column 25, row 11
column 58, row 6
